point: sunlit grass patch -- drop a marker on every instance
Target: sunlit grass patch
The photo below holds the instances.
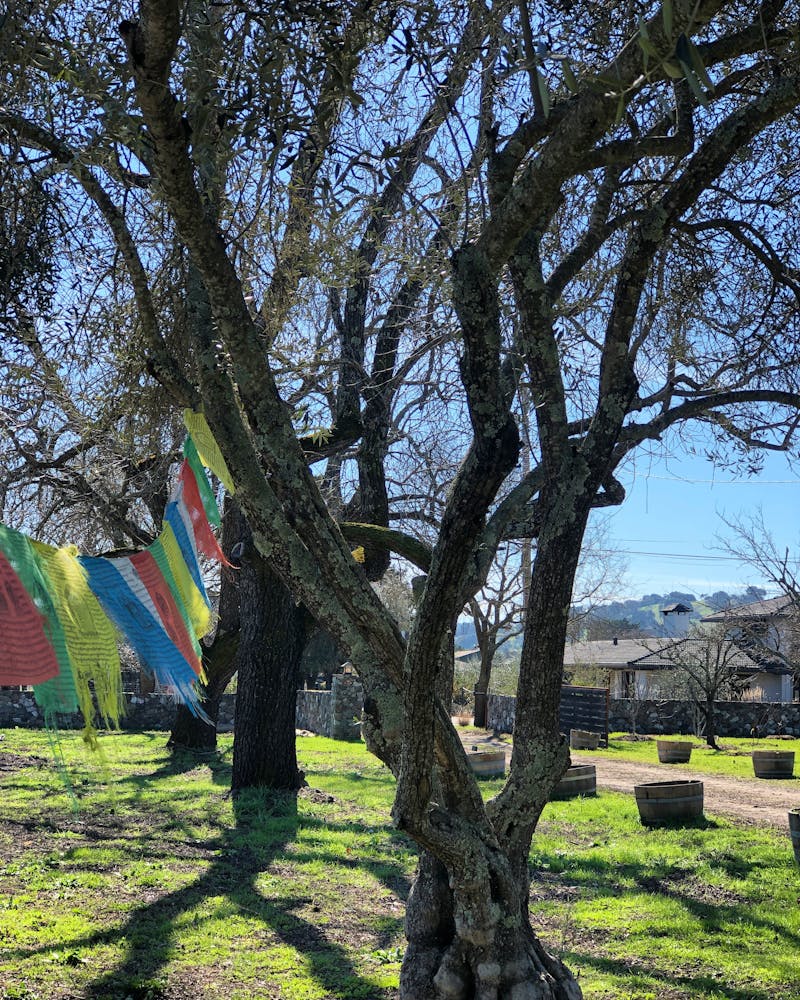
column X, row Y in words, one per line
column 163, row 885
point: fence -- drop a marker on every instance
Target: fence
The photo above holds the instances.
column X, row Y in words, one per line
column 581, row 708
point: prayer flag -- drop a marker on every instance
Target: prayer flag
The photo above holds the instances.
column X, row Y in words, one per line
column 203, row 485
column 90, row 637
column 207, row 448
column 126, row 601
column 204, row 536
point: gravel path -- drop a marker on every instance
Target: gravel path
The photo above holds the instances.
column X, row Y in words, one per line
column 751, row 800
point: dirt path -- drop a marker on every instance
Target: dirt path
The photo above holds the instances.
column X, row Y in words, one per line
column 750, row 800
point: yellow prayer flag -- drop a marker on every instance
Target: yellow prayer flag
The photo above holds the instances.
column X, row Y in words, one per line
column 90, row 637
column 196, row 607
column 207, row 448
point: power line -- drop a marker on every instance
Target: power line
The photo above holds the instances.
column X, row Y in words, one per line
column 721, row 482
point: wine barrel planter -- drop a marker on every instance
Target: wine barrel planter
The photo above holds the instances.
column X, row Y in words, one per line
column 580, row 779
column 580, row 739
column 487, row 763
column 794, row 831
column 674, row 751
column 668, row 801
column 773, row 763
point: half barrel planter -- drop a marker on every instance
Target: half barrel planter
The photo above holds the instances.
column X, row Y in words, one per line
column 773, row 763
column 674, row 751
column 794, row 831
column 486, row 763
column 579, row 779
column 580, row 739
column 669, row 801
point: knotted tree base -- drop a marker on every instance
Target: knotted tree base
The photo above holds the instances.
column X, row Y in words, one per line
column 480, row 948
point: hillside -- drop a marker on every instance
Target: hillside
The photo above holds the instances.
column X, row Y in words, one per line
column 644, row 613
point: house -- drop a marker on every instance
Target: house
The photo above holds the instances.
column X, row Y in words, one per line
column 760, row 650
column 771, row 626
column 613, row 659
column 736, row 672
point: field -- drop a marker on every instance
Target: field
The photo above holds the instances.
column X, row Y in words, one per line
column 148, row 882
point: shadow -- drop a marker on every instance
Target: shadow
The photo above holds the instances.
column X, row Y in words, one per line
column 700, row 986
column 718, row 911
column 266, row 825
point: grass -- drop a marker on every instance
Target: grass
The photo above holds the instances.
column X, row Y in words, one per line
column 733, row 757
column 159, row 889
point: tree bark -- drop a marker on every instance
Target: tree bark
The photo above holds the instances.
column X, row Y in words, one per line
column 711, row 724
column 273, row 632
column 482, row 683
column 476, row 943
column 193, row 732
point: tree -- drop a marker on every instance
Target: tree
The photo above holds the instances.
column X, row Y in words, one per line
column 592, row 219
column 706, row 667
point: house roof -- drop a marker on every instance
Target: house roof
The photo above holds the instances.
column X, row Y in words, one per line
column 679, row 608
column 611, row 654
column 743, row 661
column 774, row 607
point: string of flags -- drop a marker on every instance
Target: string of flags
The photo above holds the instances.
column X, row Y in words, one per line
column 61, row 612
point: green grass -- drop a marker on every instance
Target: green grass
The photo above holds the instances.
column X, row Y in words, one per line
column 159, row 888
column 733, row 757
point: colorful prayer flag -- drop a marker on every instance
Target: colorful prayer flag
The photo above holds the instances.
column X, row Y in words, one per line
column 206, row 493
column 207, row 448
column 56, row 693
column 90, row 637
column 204, row 536
column 127, row 602
column 28, row 656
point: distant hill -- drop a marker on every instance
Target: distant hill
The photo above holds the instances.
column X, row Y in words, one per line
column 643, row 612
column 646, row 611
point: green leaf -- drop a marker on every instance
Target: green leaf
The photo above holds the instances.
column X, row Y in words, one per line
column 620, row 112
column 699, row 66
column 569, row 77
column 646, row 45
column 694, row 83
column 673, row 69
column 666, row 11
column 685, row 59
column 541, row 83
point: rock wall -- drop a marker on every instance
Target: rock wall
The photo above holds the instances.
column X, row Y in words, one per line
column 313, row 712
column 142, row 712
column 733, row 718
column 335, row 713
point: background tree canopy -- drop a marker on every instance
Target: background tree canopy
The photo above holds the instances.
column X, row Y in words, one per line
column 439, row 268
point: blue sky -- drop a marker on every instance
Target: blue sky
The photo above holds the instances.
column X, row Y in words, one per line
column 673, row 508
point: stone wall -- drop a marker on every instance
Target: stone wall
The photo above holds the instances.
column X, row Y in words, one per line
column 733, row 718
column 142, row 712
column 500, row 712
column 335, row 713
column 313, row 712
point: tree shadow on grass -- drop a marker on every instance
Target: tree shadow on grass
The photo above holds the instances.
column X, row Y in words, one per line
column 716, row 909
column 267, row 825
column 700, row 986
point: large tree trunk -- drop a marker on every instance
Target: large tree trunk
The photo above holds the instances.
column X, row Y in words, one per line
column 272, row 638
column 476, row 943
column 199, row 732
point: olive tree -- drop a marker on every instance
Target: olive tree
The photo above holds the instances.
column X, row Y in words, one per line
column 594, row 210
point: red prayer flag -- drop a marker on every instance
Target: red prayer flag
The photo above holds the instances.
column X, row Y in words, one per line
column 27, row 656
column 204, row 536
